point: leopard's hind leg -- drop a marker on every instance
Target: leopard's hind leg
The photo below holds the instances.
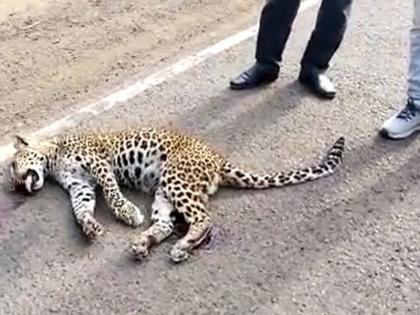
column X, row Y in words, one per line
column 192, row 204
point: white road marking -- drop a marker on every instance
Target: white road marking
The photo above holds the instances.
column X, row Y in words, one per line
column 140, row 86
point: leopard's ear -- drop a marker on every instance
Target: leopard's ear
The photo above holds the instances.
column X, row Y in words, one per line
column 20, row 142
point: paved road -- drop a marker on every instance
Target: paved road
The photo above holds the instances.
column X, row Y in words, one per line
column 349, row 244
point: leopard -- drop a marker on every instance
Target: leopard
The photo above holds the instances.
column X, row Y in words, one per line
column 180, row 171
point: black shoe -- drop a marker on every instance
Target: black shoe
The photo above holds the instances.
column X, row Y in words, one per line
column 317, row 82
column 255, row 76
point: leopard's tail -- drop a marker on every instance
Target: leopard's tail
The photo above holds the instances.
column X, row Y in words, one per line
column 235, row 177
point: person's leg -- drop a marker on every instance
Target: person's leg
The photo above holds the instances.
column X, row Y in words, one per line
column 276, row 22
column 414, row 66
column 407, row 120
column 328, row 34
column 326, row 38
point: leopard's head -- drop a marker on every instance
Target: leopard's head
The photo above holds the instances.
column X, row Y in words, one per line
column 28, row 167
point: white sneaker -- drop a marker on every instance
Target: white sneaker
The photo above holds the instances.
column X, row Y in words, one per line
column 403, row 123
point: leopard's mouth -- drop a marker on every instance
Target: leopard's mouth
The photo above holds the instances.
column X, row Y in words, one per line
column 29, row 182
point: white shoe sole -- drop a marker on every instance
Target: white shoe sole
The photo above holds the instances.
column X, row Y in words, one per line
column 386, row 133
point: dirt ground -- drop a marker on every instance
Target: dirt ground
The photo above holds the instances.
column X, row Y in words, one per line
column 55, row 54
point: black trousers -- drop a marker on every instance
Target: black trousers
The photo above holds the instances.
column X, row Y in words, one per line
column 276, row 23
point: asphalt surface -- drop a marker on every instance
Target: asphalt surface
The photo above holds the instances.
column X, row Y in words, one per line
column 347, row 244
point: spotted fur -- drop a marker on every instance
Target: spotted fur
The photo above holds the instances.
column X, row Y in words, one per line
column 180, row 171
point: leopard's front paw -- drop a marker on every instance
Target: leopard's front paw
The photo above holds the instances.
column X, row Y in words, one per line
column 91, row 228
column 130, row 214
column 140, row 248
